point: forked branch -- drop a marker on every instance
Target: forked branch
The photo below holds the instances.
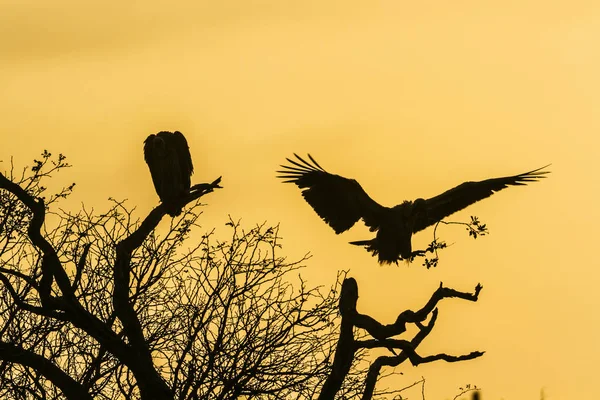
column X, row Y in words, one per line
column 124, row 309
column 348, row 346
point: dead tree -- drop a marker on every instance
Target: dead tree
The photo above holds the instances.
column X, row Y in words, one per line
column 382, row 337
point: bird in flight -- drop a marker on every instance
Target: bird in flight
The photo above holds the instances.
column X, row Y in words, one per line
column 341, row 202
column 168, row 157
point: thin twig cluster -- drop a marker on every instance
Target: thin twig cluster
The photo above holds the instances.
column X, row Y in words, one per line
column 100, row 305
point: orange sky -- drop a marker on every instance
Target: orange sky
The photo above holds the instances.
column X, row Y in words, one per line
column 410, row 99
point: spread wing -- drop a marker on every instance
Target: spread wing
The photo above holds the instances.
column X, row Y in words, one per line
column 184, row 157
column 339, row 201
column 439, row 207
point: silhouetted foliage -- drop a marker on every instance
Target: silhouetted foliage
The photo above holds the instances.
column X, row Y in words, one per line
column 100, row 305
column 474, row 227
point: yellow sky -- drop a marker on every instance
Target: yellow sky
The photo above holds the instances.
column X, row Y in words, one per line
column 409, row 98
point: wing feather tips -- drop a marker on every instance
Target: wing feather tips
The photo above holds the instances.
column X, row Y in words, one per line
column 314, row 166
column 538, row 171
column 329, row 195
column 315, row 162
column 301, row 172
column 496, row 184
column 526, row 177
column 302, row 165
column 468, row 193
column 293, row 176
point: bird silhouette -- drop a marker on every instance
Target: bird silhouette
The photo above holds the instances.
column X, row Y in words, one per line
column 168, row 157
column 341, row 202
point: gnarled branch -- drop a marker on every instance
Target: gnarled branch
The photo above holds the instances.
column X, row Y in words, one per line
column 348, row 346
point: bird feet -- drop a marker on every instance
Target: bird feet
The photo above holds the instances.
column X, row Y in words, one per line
column 416, row 253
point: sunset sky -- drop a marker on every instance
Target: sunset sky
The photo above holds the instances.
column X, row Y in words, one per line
column 409, row 98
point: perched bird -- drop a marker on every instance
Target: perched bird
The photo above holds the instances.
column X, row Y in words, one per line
column 341, row 202
column 168, row 157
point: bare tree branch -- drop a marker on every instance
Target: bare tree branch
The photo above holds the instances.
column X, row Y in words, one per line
column 99, row 305
column 124, row 309
column 70, row 388
column 348, row 346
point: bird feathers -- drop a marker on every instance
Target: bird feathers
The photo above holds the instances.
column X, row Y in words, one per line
column 439, row 207
column 184, row 158
column 168, row 157
column 339, row 201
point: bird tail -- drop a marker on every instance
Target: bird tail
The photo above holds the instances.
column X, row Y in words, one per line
column 371, row 246
column 362, row 242
column 384, row 256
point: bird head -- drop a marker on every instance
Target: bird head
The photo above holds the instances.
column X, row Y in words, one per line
column 418, row 205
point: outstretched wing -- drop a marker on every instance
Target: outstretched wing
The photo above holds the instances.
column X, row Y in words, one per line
column 439, row 207
column 339, row 201
column 184, row 157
